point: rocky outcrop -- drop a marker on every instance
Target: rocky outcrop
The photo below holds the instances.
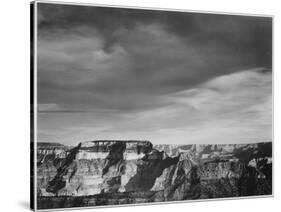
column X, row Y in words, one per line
column 90, row 168
column 68, row 168
column 123, row 172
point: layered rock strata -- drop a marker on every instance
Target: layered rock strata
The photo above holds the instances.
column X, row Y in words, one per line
column 123, row 172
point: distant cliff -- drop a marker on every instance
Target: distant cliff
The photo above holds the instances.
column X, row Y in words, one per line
column 134, row 171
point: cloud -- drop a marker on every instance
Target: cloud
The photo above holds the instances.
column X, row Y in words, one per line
column 162, row 76
column 148, row 61
column 233, row 108
column 48, row 107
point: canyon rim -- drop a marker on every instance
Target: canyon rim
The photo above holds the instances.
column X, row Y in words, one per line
column 107, row 172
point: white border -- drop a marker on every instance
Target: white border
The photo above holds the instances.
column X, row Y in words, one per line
column 153, row 9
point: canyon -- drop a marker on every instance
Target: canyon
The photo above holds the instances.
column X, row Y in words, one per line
column 109, row 172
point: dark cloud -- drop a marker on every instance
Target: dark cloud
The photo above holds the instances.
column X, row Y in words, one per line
column 140, row 54
column 117, row 61
column 238, row 33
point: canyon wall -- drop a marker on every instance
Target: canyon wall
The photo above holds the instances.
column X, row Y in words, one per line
column 134, row 171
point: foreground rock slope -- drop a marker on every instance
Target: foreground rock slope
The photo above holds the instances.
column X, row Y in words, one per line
column 106, row 172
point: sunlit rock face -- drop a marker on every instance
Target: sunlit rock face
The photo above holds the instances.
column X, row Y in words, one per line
column 173, row 150
column 91, row 168
column 135, row 171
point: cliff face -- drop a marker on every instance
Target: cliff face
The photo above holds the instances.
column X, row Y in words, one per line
column 135, row 171
column 90, row 168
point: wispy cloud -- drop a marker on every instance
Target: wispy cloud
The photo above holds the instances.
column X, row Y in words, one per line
column 233, row 108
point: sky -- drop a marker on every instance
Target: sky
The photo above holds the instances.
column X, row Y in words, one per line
column 163, row 76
